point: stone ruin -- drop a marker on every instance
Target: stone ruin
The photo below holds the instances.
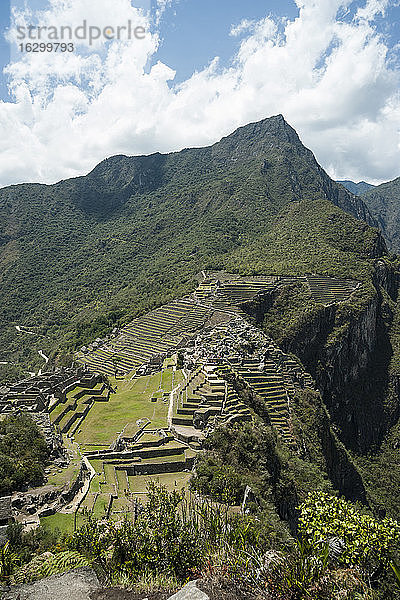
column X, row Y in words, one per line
column 231, row 357
column 37, row 396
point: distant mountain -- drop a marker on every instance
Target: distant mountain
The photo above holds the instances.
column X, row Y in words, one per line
column 356, row 188
column 383, row 202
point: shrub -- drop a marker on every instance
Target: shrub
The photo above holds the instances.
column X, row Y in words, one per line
column 367, row 542
column 171, row 535
column 23, row 453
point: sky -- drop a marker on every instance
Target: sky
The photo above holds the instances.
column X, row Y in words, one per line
column 200, row 69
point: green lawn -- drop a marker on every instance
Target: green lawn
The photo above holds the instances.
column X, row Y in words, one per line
column 58, row 410
column 164, row 459
column 131, row 402
column 138, row 483
column 89, row 501
column 122, row 480
column 93, row 447
column 109, row 473
column 166, row 381
column 97, row 466
column 100, row 508
column 65, row 523
column 178, row 378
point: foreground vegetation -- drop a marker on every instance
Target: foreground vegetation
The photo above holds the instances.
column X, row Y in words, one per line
column 337, row 553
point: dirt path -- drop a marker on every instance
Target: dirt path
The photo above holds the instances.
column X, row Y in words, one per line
column 45, row 358
column 22, row 329
column 81, row 494
column 171, row 405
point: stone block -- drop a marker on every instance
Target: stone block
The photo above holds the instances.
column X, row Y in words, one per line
column 190, row 592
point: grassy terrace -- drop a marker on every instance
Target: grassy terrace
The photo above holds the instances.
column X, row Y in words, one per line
column 64, row 523
column 131, row 402
column 150, row 335
column 70, row 396
column 172, row 481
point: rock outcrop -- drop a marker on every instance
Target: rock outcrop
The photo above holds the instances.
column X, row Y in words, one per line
column 190, row 592
column 74, row 585
column 347, row 349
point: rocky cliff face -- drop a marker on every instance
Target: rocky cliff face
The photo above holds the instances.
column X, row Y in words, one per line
column 340, row 467
column 340, row 367
column 347, row 349
column 383, row 204
column 346, row 200
column 356, row 379
column 387, row 276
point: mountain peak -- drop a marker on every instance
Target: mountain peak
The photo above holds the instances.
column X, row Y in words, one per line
column 275, row 126
column 359, row 188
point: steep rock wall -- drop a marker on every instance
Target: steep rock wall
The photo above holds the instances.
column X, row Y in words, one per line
column 339, row 465
column 347, row 349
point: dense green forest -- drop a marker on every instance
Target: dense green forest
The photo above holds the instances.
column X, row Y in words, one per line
column 383, row 202
column 23, row 454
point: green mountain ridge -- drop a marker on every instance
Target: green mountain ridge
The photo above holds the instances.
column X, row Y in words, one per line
column 358, row 189
column 133, row 232
column 384, row 204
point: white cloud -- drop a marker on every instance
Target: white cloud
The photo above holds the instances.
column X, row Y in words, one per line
column 161, row 7
column 372, row 9
column 329, row 75
column 244, row 25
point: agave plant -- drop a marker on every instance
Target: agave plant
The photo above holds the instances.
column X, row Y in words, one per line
column 8, row 562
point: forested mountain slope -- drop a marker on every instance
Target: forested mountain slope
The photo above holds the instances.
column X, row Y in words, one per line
column 384, row 203
column 77, row 256
column 359, row 188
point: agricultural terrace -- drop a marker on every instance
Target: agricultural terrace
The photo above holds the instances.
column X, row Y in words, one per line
column 131, row 403
column 137, row 408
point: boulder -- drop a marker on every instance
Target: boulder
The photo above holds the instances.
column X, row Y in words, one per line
column 189, row 592
column 73, row 585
